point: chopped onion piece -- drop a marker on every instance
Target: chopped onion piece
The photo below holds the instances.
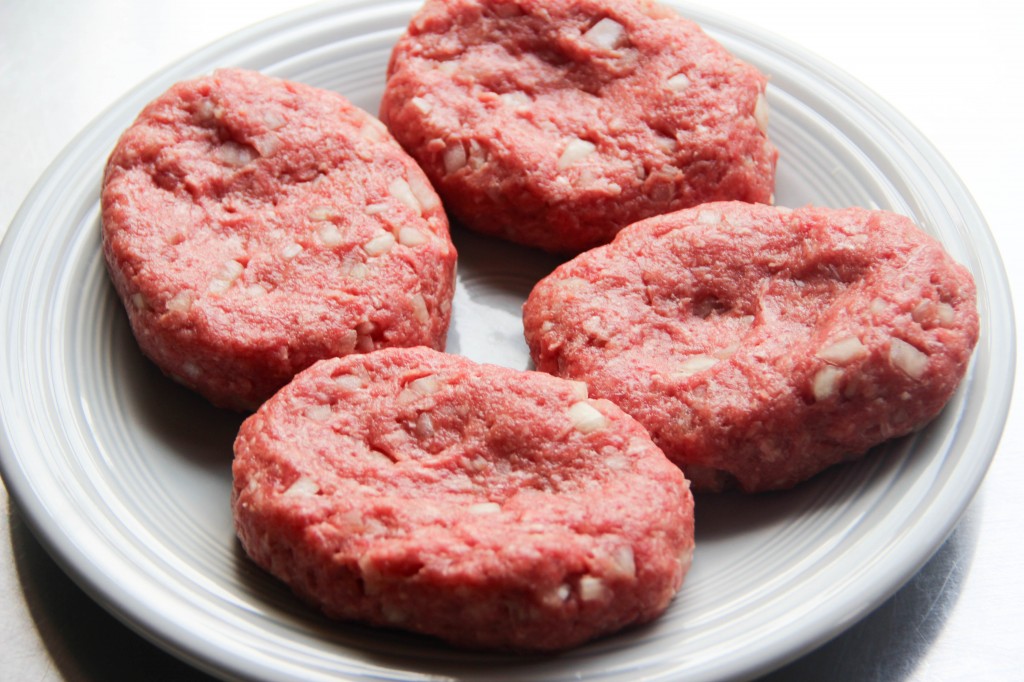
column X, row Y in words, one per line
column 606, row 34
column 229, row 272
column 419, row 308
column 410, row 236
column 181, row 303
column 625, row 563
column 236, row 154
column 678, row 82
column 401, row 190
column 454, row 158
column 586, row 418
column 289, row 251
column 424, row 192
column 302, row 486
column 329, row 234
column 695, row 364
column 843, row 351
column 761, row 113
column 826, row 382
column 322, row 213
column 580, row 391
column 908, row 359
column 592, row 588
column 379, row 245
column 319, row 413
column 575, row 151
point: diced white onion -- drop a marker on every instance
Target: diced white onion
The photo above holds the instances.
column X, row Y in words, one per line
column 235, row 154
column 761, row 113
column 678, row 82
column 419, row 308
column 843, row 351
column 454, row 157
column 483, row 508
column 329, row 234
column 410, row 236
column 908, row 359
column 586, row 418
column 592, row 588
column 181, row 302
column 424, row 192
column 575, row 151
column 319, row 413
column 322, row 213
column 826, row 382
column 379, row 245
column 695, row 364
column 302, row 486
column 606, row 34
column 624, row 560
column 401, row 190
column 579, row 390
column 709, row 217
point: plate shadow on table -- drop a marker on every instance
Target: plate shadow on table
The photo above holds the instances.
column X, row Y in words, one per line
column 890, row 643
column 86, row 643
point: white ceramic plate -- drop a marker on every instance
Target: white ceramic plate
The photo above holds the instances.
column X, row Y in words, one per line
column 125, row 476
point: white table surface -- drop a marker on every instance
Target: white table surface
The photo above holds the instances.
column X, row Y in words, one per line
column 950, row 68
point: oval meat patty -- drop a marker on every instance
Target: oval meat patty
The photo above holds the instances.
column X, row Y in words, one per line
column 252, row 226
column 554, row 123
column 489, row 507
column 761, row 345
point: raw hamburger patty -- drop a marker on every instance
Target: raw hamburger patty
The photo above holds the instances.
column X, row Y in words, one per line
column 252, row 226
column 488, row 507
column 761, row 345
column 554, row 123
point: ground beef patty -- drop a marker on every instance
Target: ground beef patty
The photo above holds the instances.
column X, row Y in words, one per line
column 761, row 345
column 486, row 506
column 253, row 226
column 556, row 122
